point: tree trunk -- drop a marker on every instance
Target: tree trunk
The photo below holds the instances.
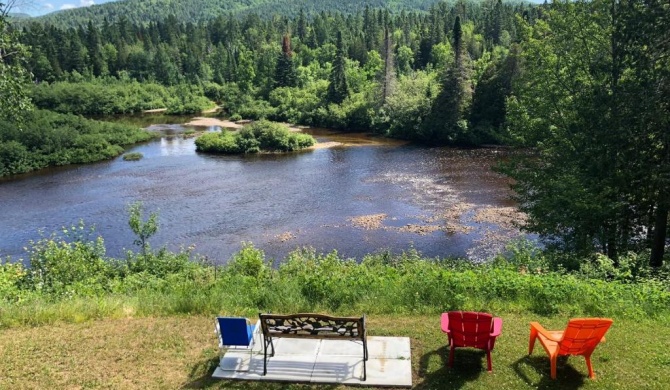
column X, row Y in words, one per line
column 660, row 231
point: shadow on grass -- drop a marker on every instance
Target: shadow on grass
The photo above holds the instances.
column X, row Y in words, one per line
column 469, row 364
column 536, row 372
column 201, row 374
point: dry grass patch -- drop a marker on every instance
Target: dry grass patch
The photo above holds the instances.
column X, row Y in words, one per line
column 368, row 222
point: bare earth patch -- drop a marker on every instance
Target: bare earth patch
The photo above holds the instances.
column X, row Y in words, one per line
column 368, row 222
column 207, row 122
column 324, row 145
column 154, row 110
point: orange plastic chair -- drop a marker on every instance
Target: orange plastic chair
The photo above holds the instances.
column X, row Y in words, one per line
column 471, row 329
column 580, row 337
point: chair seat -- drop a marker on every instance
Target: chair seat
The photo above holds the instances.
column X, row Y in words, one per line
column 471, row 329
column 580, row 337
column 549, row 345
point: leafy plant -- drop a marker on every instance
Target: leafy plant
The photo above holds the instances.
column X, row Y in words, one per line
column 142, row 229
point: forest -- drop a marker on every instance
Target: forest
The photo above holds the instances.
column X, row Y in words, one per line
column 580, row 90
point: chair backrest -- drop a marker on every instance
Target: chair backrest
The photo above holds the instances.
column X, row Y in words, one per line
column 233, row 331
column 470, row 329
column 582, row 335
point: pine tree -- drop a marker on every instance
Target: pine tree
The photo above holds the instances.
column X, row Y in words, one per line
column 302, row 26
column 338, row 90
column 285, row 73
column 446, row 122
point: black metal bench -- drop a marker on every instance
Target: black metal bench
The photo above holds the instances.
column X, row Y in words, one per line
column 312, row 326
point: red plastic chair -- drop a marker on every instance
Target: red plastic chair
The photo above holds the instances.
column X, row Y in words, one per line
column 580, row 337
column 471, row 329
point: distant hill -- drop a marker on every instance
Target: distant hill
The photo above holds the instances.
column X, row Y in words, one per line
column 19, row 16
column 144, row 11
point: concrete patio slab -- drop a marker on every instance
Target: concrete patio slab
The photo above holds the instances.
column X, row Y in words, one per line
column 323, row 361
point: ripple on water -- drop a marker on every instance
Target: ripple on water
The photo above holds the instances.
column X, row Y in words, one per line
column 439, row 201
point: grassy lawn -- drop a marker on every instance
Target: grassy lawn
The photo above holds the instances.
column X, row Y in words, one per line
column 181, row 352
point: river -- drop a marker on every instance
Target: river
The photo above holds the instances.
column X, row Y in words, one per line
column 366, row 195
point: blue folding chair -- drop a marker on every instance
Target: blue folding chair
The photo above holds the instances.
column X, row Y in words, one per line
column 235, row 332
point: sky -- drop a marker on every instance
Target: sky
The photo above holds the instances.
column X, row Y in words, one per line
column 41, row 7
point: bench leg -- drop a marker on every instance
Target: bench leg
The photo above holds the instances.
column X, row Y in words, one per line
column 365, row 358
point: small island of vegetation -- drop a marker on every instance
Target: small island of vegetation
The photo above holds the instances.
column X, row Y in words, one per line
column 133, row 156
column 257, row 137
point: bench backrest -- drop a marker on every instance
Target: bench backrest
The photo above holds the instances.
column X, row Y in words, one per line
column 310, row 325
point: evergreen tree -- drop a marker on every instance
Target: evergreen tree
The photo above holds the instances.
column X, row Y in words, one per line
column 446, row 122
column 302, row 26
column 285, row 73
column 338, row 89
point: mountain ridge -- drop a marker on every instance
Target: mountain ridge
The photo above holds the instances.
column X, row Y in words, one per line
column 144, row 11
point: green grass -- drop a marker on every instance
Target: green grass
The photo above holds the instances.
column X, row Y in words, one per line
column 78, row 319
column 180, row 352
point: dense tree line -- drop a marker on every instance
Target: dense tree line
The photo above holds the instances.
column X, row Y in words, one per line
column 194, row 11
column 360, row 70
column 593, row 104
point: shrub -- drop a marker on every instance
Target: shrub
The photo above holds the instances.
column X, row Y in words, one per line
column 69, row 264
column 261, row 136
column 249, row 261
column 11, row 276
column 133, row 156
column 223, row 142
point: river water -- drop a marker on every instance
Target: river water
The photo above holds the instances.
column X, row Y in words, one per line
column 366, row 195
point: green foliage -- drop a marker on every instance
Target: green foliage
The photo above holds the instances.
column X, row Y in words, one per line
column 592, row 181
column 110, row 96
column 162, row 282
column 249, row 261
column 11, row 277
column 338, row 89
column 318, row 79
column 408, row 106
column 134, row 156
column 68, row 264
column 261, row 136
column 187, row 100
column 14, row 77
column 47, row 139
column 224, row 142
column 142, row 229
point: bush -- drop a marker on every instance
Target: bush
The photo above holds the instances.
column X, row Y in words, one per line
column 133, row 156
column 11, row 277
column 261, row 136
column 223, row 142
column 69, row 264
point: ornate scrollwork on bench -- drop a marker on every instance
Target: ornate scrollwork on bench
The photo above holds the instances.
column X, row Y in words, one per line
column 313, row 326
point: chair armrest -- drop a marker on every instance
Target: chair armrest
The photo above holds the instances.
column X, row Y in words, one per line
column 445, row 323
column 497, row 327
column 543, row 332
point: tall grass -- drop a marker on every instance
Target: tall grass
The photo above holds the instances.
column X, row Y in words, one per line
column 69, row 282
